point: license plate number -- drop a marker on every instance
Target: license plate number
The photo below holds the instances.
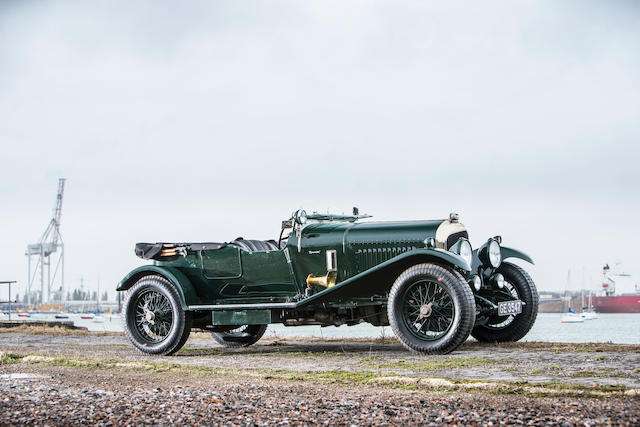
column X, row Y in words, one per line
column 506, row 308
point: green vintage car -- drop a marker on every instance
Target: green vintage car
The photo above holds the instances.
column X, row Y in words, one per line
column 420, row 277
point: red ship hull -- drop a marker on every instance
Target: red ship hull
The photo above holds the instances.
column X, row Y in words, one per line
column 617, row 304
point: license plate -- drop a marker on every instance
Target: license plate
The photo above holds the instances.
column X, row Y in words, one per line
column 506, row 308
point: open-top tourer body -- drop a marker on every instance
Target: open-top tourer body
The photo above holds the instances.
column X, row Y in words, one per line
column 420, row 277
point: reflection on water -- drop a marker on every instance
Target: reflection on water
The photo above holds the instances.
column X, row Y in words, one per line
column 616, row 328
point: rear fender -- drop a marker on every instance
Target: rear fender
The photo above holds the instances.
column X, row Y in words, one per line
column 185, row 289
column 379, row 279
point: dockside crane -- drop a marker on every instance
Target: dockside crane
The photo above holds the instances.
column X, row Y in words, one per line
column 45, row 252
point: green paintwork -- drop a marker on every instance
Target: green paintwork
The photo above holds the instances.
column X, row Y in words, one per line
column 514, row 253
column 359, row 246
column 243, row 287
column 506, row 252
column 241, row 317
column 361, row 284
column 186, row 290
column 223, row 263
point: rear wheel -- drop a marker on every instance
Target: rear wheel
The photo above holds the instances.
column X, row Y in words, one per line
column 519, row 284
column 431, row 309
column 242, row 336
column 153, row 318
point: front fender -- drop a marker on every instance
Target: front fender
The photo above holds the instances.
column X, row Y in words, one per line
column 183, row 285
column 514, row 253
column 506, row 253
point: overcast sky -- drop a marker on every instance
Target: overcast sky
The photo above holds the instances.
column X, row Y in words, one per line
column 204, row 121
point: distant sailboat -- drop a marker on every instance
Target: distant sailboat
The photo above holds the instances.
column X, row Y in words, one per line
column 590, row 313
column 570, row 316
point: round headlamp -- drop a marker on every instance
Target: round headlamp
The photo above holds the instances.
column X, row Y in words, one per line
column 495, row 255
column 463, row 248
column 476, row 282
column 498, row 280
column 465, row 251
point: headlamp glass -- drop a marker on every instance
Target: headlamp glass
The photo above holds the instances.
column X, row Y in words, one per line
column 495, row 256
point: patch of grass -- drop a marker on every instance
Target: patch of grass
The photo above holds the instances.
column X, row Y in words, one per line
column 556, row 389
column 109, row 363
column 562, row 347
column 507, row 390
column 603, row 373
column 365, row 378
column 547, row 369
column 599, row 358
column 286, row 340
column 185, row 351
column 27, row 329
column 8, row 358
column 290, row 352
column 376, row 362
column 334, row 377
column 583, row 374
column 581, row 387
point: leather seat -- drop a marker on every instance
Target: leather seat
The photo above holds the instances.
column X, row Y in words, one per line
column 255, row 245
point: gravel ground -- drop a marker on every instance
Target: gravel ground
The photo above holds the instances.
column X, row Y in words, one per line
column 586, row 364
column 97, row 379
column 68, row 396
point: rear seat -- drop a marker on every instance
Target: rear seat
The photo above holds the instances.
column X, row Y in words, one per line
column 255, row 245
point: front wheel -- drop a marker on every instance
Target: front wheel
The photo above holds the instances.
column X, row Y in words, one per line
column 242, row 336
column 153, row 318
column 513, row 327
column 431, row 309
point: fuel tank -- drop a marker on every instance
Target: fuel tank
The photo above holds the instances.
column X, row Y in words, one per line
column 361, row 246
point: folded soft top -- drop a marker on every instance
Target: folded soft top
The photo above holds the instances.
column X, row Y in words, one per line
column 163, row 249
column 154, row 250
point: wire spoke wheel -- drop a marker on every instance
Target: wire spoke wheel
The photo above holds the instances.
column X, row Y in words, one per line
column 428, row 310
column 431, row 309
column 153, row 316
column 517, row 285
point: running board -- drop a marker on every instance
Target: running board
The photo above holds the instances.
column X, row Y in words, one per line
column 216, row 307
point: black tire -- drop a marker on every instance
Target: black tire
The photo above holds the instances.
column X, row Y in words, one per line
column 512, row 328
column 167, row 328
column 452, row 320
column 242, row 336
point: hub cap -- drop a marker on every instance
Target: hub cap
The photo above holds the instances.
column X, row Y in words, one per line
column 428, row 310
column 153, row 316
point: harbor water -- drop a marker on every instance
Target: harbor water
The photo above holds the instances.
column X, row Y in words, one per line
column 616, row 328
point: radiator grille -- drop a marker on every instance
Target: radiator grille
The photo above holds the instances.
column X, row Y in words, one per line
column 453, row 239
